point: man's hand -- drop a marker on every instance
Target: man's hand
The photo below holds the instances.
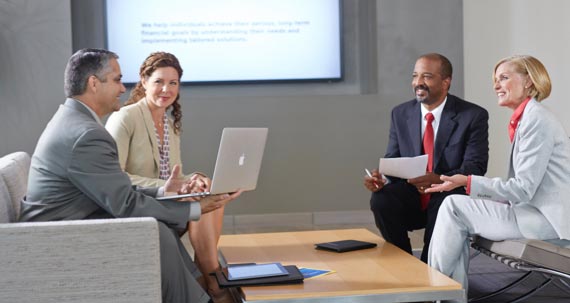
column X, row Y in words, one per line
column 424, row 182
column 449, row 183
column 374, row 183
column 214, row 202
column 175, row 183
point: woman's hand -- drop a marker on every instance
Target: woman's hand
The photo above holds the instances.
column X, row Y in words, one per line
column 202, row 183
column 449, row 183
column 177, row 184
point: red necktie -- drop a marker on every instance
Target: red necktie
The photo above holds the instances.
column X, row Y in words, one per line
column 428, row 149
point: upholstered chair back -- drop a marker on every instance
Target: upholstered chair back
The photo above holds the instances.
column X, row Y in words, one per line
column 14, row 169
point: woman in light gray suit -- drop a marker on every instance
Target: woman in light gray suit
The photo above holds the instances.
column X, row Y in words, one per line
column 534, row 202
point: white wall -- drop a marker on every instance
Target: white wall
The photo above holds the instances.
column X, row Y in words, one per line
column 494, row 29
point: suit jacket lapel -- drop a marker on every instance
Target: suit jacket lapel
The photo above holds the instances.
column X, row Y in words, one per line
column 415, row 128
column 149, row 124
column 446, row 128
column 511, row 173
column 514, row 144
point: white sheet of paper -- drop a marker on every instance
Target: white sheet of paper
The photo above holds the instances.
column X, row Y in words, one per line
column 404, row 167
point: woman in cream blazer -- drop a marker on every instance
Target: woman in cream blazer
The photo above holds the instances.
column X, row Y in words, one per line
column 133, row 129
column 139, row 126
column 534, row 202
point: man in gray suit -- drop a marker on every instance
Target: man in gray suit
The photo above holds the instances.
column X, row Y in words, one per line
column 75, row 173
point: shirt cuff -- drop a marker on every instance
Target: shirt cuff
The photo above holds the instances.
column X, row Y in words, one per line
column 468, row 188
column 195, row 211
column 160, row 192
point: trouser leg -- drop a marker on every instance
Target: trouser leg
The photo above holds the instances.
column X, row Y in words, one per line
column 396, row 209
column 459, row 218
column 431, row 215
column 178, row 272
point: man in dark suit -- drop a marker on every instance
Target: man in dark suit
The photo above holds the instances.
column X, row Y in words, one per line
column 458, row 132
column 75, row 173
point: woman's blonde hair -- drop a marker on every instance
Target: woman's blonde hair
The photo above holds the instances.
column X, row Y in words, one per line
column 529, row 65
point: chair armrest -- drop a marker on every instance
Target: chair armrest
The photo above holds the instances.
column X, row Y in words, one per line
column 109, row 260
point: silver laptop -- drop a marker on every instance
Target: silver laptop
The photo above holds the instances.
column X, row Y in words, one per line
column 238, row 162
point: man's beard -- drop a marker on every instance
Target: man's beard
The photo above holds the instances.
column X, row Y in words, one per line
column 426, row 90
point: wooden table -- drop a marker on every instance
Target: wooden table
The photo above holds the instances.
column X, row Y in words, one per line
column 381, row 274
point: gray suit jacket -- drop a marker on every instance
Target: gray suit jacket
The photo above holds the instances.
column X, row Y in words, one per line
column 75, row 174
column 539, row 174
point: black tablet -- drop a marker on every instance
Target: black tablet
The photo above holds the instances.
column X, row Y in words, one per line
column 344, row 245
column 250, row 271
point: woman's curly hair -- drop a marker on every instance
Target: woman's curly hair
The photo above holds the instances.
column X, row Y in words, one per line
column 150, row 64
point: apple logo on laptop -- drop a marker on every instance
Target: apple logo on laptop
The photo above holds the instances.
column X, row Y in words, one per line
column 241, row 160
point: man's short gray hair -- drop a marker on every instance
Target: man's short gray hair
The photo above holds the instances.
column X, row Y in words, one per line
column 83, row 64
